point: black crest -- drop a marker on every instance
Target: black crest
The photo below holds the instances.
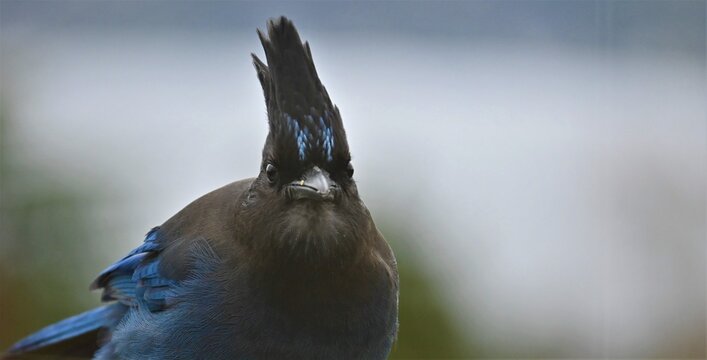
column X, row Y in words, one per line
column 305, row 127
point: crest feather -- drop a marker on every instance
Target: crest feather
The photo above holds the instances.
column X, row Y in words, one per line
column 304, row 124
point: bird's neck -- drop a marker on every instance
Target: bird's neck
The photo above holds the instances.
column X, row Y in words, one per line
column 316, row 251
column 308, row 237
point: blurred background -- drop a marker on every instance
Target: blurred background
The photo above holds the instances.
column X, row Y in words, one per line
column 539, row 167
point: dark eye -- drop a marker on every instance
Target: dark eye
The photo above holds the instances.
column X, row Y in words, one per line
column 349, row 170
column 271, row 172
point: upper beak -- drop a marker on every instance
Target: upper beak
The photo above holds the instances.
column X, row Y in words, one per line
column 314, row 184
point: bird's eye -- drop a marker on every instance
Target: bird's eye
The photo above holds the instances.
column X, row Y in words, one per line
column 349, row 170
column 271, row 172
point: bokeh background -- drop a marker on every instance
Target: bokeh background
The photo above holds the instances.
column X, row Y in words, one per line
column 539, row 167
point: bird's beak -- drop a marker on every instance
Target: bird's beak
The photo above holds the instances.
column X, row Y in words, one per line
column 315, row 184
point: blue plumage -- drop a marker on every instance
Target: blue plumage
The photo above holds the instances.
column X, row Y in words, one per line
column 136, row 277
column 301, row 131
column 90, row 321
column 328, row 143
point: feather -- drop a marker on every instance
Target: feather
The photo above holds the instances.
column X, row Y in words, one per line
column 87, row 323
column 305, row 127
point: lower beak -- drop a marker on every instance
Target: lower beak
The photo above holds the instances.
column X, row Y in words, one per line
column 315, row 184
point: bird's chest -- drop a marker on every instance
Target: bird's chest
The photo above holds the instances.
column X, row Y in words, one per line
column 309, row 318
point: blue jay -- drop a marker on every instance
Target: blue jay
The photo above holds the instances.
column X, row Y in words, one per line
column 286, row 265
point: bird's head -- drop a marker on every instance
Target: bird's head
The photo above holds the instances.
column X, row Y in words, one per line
column 306, row 155
column 306, row 177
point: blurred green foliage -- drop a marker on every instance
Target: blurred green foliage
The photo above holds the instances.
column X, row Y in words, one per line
column 427, row 327
column 45, row 251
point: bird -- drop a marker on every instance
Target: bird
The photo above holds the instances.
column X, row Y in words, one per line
column 285, row 265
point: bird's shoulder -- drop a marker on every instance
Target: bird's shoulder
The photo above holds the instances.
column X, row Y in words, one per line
column 185, row 245
column 208, row 213
column 210, row 220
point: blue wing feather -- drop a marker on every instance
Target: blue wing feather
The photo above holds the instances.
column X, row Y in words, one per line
column 122, row 288
column 125, row 266
column 92, row 320
column 137, row 278
column 134, row 280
